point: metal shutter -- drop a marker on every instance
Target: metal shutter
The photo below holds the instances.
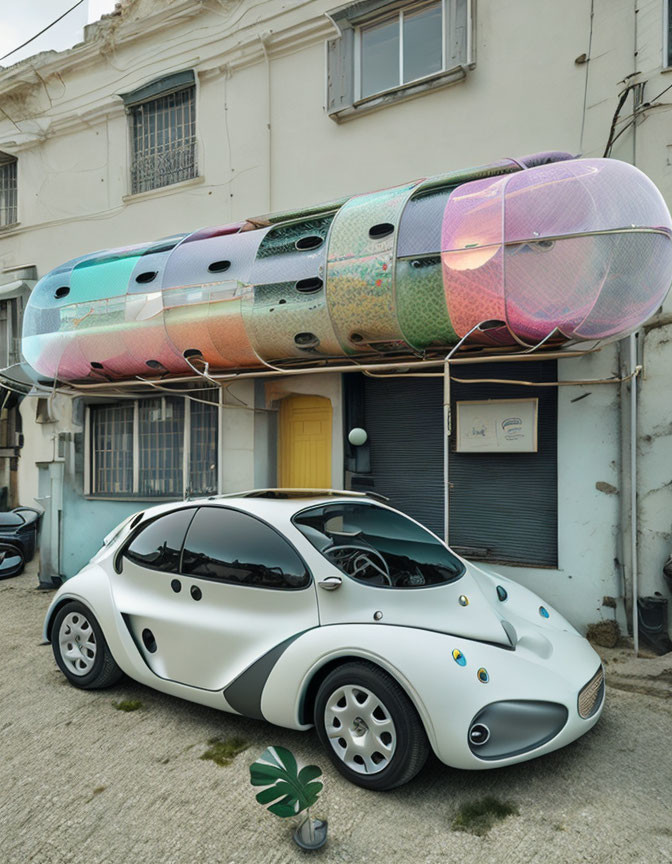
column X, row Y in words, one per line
column 403, row 419
column 504, row 506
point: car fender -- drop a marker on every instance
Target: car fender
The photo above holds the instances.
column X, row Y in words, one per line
column 446, row 694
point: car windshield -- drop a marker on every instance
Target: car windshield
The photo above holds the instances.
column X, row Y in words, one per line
column 378, row 546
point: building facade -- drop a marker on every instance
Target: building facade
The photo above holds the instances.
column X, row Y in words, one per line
column 172, row 116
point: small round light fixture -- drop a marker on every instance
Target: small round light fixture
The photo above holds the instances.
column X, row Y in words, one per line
column 463, row 600
column 543, row 611
column 357, row 436
column 501, row 593
column 459, row 657
column 483, row 676
column 377, row 616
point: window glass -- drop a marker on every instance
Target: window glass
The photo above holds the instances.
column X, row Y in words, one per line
column 203, row 455
column 233, row 547
column 161, row 439
column 158, row 545
column 112, row 433
column 380, row 57
column 8, row 190
column 423, row 42
column 377, row 546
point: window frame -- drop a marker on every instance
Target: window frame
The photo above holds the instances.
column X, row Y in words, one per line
column 666, row 60
column 399, row 14
column 343, row 97
column 135, row 494
column 7, row 160
column 153, row 92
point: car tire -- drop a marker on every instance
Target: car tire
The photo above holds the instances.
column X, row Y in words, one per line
column 80, row 649
column 384, row 744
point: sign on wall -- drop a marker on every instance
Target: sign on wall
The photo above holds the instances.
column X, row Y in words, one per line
column 497, row 426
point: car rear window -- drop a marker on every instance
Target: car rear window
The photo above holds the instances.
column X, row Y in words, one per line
column 378, row 546
column 158, row 544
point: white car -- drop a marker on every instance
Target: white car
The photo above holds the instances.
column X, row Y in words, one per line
column 334, row 610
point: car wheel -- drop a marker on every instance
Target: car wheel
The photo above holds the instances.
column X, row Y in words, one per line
column 369, row 727
column 80, row 648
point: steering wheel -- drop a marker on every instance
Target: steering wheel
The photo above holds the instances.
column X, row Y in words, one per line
column 360, row 562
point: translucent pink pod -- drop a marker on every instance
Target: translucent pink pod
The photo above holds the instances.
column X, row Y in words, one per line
column 583, row 247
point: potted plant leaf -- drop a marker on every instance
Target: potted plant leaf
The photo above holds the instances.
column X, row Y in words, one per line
column 290, row 792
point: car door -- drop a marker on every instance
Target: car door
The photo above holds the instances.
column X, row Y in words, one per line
column 237, row 590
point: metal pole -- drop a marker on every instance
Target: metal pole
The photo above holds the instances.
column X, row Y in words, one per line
column 633, row 493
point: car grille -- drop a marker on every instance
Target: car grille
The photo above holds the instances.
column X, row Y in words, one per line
column 590, row 697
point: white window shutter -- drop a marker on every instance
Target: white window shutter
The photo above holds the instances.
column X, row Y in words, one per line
column 458, row 24
column 340, row 71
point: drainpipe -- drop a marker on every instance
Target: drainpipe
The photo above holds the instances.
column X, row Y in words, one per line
column 633, row 492
column 267, row 60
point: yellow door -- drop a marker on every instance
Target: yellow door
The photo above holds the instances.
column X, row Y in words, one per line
column 304, row 443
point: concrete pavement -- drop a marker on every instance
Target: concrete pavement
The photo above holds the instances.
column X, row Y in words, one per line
column 82, row 782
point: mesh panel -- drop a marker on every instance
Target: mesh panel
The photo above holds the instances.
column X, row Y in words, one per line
column 529, row 249
column 590, row 697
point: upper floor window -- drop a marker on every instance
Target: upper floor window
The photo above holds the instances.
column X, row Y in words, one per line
column 163, row 447
column 8, row 191
column 667, row 35
column 163, row 132
column 401, row 48
column 383, row 56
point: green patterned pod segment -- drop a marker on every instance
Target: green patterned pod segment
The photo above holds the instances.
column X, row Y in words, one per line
column 361, row 268
column 286, row 315
column 421, row 303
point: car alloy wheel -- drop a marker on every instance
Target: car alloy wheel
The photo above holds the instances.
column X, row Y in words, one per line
column 80, row 649
column 369, row 726
column 77, row 642
column 360, row 729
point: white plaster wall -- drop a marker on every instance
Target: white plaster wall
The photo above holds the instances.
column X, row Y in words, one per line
column 526, row 93
column 588, row 519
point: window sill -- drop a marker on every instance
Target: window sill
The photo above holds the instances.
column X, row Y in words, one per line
column 8, row 229
column 160, row 191
column 138, row 498
column 400, row 94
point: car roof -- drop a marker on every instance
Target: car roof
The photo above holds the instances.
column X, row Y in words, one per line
column 269, row 502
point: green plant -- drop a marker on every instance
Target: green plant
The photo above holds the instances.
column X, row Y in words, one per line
column 224, row 751
column 478, row 817
column 128, row 705
column 289, row 791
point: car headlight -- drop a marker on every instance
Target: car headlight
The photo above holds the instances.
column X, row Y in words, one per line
column 504, row 729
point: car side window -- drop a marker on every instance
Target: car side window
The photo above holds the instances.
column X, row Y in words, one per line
column 230, row 546
column 159, row 543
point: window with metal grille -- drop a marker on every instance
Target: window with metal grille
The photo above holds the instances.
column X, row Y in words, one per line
column 203, row 449
column 163, row 447
column 8, row 191
column 112, row 440
column 163, row 140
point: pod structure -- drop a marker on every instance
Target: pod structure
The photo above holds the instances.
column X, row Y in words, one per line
column 543, row 247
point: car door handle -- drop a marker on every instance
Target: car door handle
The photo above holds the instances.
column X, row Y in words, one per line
column 330, row 583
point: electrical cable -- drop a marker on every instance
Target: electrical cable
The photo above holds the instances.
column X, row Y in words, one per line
column 44, row 30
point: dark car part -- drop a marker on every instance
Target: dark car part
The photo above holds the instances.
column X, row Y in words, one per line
column 12, row 560
column 652, row 619
column 20, row 527
column 514, row 727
